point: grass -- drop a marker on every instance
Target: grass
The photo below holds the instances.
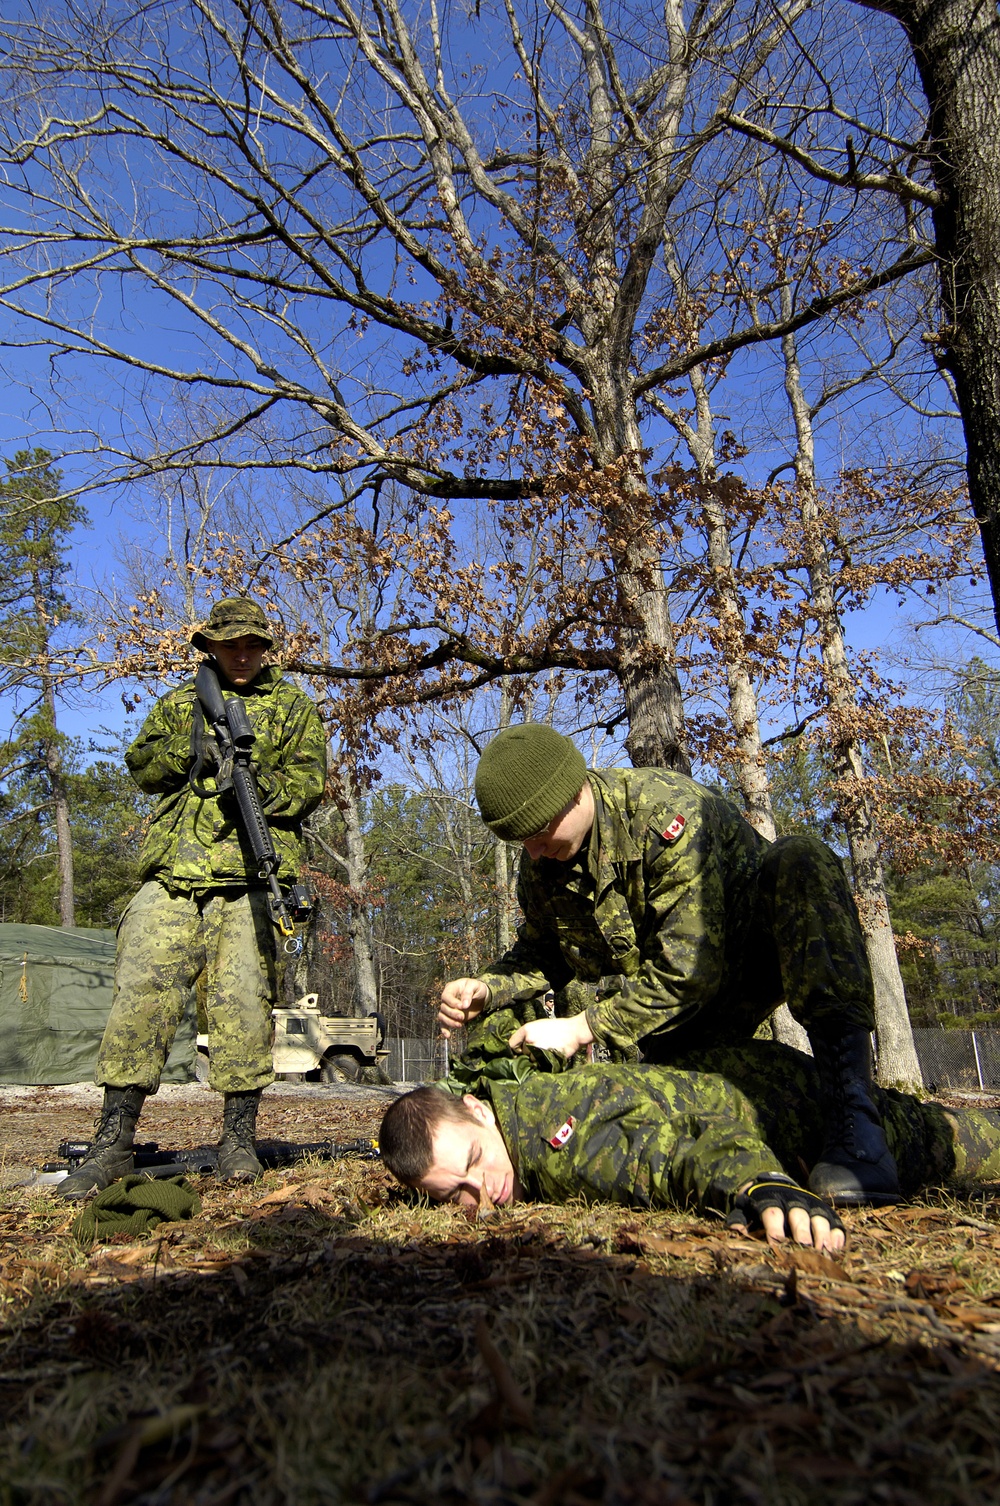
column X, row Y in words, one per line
column 324, row 1338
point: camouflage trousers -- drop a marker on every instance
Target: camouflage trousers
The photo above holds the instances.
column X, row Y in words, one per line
column 930, row 1144
column 166, row 942
column 804, row 900
column 801, row 945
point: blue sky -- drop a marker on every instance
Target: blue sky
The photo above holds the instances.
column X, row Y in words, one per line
column 87, row 395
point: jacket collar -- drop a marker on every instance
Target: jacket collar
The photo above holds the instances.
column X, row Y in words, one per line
column 611, row 842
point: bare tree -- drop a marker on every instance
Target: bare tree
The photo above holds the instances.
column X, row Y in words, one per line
column 898, row 1062
column 941, row 164
column 382, row 284
column 698, row 431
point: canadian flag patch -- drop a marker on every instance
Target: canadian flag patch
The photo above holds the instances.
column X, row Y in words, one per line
column 672, row 832
column 563, row 1133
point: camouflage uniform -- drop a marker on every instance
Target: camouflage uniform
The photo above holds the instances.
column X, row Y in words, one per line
column 677, row 927
column 196, row 910
column 653, row 1136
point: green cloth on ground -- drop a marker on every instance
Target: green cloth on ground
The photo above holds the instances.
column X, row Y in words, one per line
column 135, row 1205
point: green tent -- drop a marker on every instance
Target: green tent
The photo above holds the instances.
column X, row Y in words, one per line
column 55, row 995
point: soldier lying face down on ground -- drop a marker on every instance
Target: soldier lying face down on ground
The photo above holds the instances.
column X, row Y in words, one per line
column 666, row 925
column 731, row 1139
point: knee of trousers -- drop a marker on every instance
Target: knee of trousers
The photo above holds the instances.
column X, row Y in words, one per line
column 805, row 864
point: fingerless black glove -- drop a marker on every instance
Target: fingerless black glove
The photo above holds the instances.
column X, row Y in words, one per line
column 776, row 1191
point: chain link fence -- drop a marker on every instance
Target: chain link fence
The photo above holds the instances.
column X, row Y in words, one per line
column 963, row 1059
column 416, row 1058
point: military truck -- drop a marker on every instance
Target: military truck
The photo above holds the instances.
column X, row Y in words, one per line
column 310, row 1046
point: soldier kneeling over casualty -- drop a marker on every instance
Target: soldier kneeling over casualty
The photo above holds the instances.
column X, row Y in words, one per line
column 201, row 909
column 732, row 1138
column 667, row 926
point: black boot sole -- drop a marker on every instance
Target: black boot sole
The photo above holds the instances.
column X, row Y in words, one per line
column 863, row 1199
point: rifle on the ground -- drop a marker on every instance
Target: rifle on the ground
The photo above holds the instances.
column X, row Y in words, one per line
column 272, row 1154
column 235, row 737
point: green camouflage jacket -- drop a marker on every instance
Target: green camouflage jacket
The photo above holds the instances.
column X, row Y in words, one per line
column 194, row 843
column 649, row 926
column 692, row 1135
column 648, row 1137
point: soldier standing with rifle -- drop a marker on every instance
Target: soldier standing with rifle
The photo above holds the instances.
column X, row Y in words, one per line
column 213, row 866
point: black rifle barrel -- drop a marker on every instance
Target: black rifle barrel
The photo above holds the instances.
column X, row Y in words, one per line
column 235, row 737
column 273, row 1154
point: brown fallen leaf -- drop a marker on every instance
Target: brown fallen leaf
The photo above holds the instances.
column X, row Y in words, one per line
column 924, row 1285
column 659, row 1244
column 131, row 1255
column 813, row 1262
column 310, row 1193
column 901, row 1220
column 639, row 1242
column 139, row 1435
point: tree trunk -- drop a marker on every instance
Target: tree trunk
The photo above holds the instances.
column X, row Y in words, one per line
column 504, row 881
column 727, row 608
column 54, row 773
column 504, row 907
column 897, row 1056
column 647, row 669
column 466, row 882
column 64, row 836
column 366, row 992
column 956, row 47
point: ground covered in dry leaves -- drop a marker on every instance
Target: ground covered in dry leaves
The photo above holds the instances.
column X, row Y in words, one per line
column 324, row 1337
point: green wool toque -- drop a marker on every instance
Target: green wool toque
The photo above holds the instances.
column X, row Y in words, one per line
column 134, row 1205
column 526, row 776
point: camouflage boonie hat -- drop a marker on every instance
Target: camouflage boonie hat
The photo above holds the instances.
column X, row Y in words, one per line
column 236, row 617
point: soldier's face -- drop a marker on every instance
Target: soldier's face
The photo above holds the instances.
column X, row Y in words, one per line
column 240, row 659
column 562, row 839
column 471, row 1162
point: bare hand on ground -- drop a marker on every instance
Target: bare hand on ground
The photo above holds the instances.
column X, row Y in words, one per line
column 803, row 1230
column 783, row 1210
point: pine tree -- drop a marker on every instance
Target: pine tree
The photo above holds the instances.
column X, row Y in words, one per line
column 36, row 519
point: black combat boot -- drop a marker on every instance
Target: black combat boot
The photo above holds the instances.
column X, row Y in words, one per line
column 111, row 1148
column 856, row 1165
column 237, row 1148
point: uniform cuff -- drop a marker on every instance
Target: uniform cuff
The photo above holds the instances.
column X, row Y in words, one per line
column 606, row 1026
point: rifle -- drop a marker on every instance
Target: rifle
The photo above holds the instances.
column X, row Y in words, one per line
column 235, row 737
column 272, row 1154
